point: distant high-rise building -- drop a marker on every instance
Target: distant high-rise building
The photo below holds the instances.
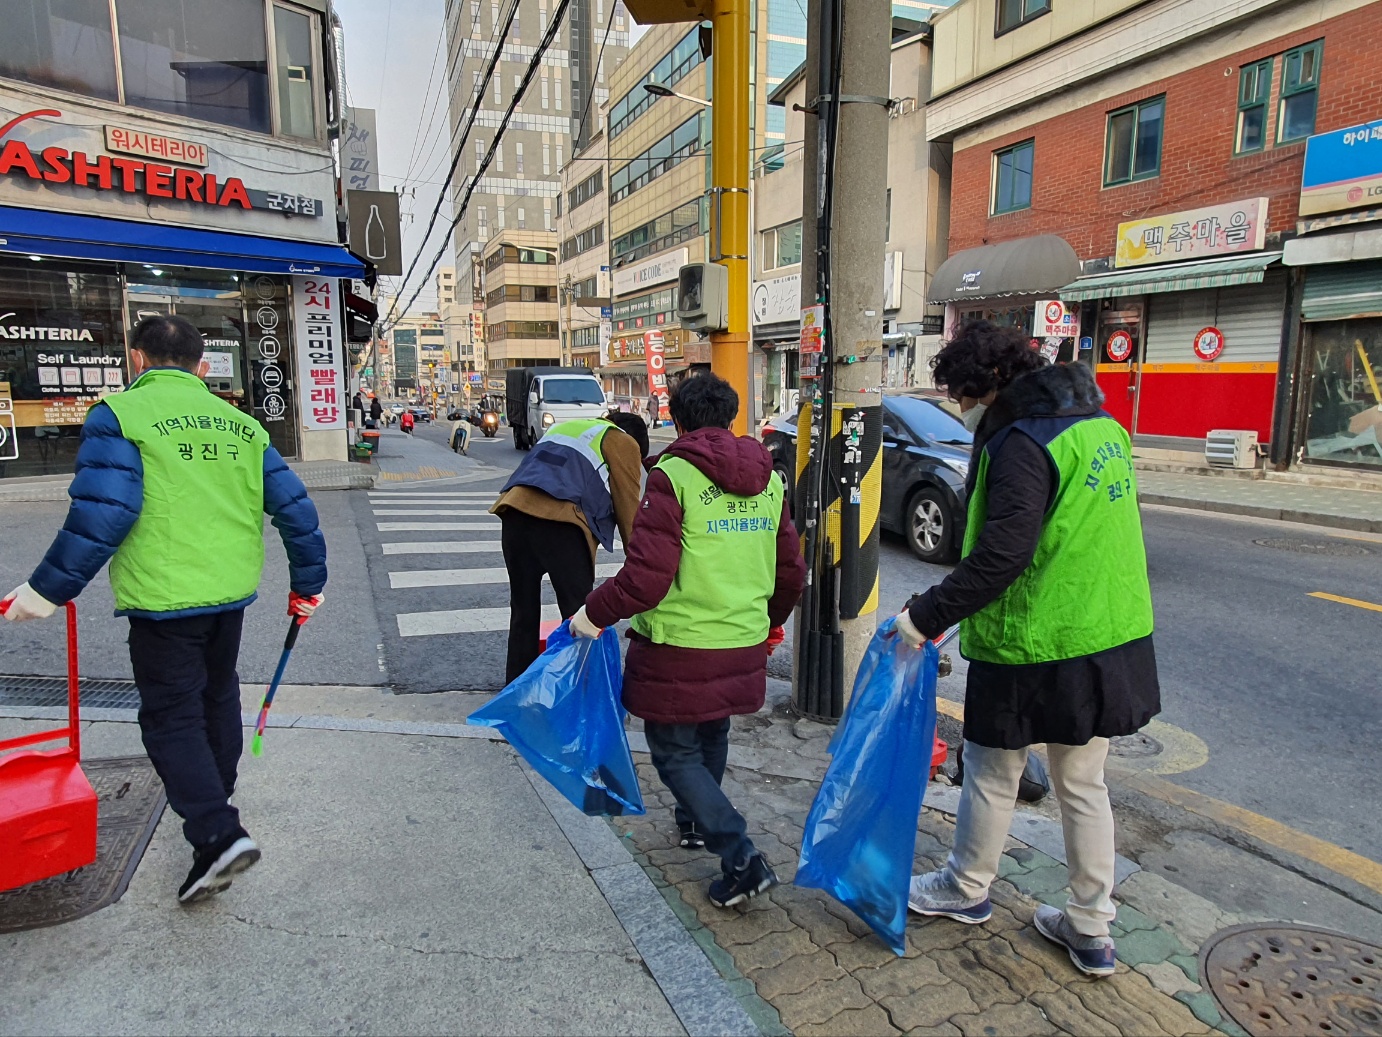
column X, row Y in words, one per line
column 558, row 113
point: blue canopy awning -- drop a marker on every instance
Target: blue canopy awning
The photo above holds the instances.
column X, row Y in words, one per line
column 69, row 236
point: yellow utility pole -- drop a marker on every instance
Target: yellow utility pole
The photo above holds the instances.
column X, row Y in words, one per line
column 729, row 169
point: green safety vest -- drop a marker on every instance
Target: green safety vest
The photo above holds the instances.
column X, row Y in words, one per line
column 1086, row 589
column 719, row 597
column 199, row 539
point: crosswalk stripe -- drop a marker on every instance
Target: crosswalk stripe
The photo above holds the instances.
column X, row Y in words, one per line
column 380, row 502
column 471, row 577
column 430, row 511
column 394, row 495
column 444, row 547
column 436, row 527
column 461, row 621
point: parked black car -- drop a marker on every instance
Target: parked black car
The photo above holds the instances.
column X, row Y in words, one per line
column 925, row 462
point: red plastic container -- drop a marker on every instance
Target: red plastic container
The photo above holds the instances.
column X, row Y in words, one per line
column 939, row 751
column 544, row 631
column 47, row 807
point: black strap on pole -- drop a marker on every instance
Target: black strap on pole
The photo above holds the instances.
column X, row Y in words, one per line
column 821, row 686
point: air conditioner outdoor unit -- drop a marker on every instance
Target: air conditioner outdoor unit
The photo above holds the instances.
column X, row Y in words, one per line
column 1231, row 448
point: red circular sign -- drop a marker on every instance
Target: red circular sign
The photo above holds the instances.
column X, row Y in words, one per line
column 1119, row 346
column 1055, row 313
column 1209, row 343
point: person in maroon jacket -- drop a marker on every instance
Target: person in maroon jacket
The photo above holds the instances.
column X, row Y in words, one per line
column 713, row 566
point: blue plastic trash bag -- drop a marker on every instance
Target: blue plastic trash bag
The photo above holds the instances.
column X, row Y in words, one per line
column 862, row 829
column 565, row 717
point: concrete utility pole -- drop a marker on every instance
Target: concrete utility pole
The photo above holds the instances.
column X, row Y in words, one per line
column 847, row 76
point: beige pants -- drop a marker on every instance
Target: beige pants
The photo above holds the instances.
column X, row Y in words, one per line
column 987, row 799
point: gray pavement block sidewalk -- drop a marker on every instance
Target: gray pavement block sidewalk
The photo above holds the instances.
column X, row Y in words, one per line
column 405, row 459
column 410, row 884
column 1264, row 498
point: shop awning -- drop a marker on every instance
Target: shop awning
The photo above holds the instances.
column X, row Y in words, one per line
column 1172, row 277
column 32, row 232
column 1025, row 266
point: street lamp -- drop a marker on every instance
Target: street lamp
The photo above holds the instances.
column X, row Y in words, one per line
column 658, row 90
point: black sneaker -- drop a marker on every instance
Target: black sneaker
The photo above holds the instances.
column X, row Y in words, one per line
column 215, row 867
column 690, row 838
column 755, row 877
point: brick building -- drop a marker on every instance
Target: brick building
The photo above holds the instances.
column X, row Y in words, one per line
column 1141, row 163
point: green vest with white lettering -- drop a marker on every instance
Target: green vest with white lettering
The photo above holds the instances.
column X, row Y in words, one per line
column 1086, row 588
column 719, row 598
column 199, row 539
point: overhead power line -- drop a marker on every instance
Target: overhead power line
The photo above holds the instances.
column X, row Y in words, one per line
column 465, row 135
column 553, row 27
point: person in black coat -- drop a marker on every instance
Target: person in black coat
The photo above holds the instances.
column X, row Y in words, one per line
column 376, row 411
column 1046, row 461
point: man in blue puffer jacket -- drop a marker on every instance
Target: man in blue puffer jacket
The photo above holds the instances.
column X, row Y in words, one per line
column 171, row 487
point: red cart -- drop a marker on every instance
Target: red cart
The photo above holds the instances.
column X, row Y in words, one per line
column 47, row 807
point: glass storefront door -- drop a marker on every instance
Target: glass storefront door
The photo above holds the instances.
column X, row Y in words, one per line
column 62, row 346
column 1342, row 417
column 245, row 322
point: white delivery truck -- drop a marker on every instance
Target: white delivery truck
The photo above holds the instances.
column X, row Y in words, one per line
column 539, row 397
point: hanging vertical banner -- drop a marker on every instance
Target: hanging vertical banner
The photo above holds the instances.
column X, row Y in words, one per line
column 657, row 370
column 321, row 353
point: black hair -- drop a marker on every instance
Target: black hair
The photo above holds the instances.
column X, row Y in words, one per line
column 982, row 357
column 169, row 340
column 704, row 400
column 633, row 425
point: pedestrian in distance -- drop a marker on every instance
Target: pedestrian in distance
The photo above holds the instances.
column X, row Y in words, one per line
column 376, row 412
column 713, row 567
column 579, row 483
column 171, row 487
column 1055, row 616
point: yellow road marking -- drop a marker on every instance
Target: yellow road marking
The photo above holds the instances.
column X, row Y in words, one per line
column 1343, row 862
column 1370, row 606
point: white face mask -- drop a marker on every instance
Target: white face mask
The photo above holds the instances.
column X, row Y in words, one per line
column 973, row 416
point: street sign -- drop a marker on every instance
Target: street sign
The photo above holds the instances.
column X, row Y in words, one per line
column 374, row 230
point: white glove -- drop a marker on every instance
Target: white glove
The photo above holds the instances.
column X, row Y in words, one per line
column 581, row 625
column 907, row 630
column 26, row 603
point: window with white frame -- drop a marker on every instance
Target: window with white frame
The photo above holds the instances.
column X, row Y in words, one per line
column 546, row 160
column 499, row 213
column 546, row 217
column 498, row 90
column 479, row 154
column 518, row 157
column 522, row 218
column 482, row 222
column 544, row 91
column 499, row 157
column 243, row 63
column 556, row 87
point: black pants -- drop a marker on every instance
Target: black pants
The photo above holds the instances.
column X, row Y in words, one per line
column 690, row 760
column 189, row 715
column 534, row 547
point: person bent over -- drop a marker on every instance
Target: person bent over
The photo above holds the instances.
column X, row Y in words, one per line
column 575, row 487
column 171, row 488
column 713, row 565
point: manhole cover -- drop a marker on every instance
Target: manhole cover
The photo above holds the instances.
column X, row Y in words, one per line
column 1278, row 980
column 130, row 803
column 1139, row 744
column 1314, row 547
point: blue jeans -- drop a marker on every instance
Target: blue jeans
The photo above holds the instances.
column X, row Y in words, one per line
column 690, row 760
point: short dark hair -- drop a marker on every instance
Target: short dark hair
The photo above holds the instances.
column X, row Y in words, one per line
column 982, row 357
column 633, row 425
column 704, row 400
column 169, row 340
